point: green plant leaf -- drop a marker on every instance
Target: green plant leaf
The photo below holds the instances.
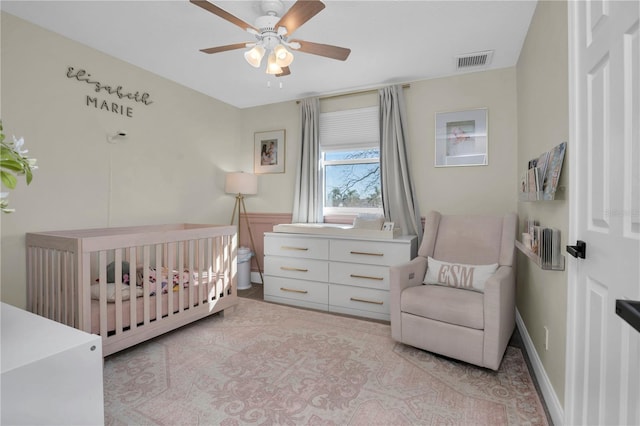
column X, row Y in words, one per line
column 12, row 165
column 8, row 179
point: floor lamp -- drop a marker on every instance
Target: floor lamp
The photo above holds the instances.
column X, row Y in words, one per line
column 241, row 184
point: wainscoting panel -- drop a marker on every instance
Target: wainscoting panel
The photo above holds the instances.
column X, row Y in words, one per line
column 260, row 223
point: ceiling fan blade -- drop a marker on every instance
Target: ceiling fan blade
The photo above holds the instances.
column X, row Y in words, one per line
column 333, row 52
column 285, row 71
column 299, row 13
column 222, row 13
column 218, row 49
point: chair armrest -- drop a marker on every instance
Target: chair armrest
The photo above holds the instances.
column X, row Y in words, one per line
column 499, row 314
column 402, row 276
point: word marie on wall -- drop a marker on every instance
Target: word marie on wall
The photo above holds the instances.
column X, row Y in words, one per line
column 118, row 91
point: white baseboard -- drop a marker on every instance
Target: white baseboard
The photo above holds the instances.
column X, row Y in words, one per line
column 548, row 393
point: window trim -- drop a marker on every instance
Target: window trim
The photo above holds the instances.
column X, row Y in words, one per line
column 348, row 130
column 346, row 211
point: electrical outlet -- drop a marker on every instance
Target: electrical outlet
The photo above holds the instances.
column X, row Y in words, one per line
column 546, row 338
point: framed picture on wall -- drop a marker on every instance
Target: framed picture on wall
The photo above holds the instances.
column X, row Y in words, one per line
column 461, row 138
column 269, row 156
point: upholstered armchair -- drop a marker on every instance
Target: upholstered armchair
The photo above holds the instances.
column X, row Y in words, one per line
column 461, row 318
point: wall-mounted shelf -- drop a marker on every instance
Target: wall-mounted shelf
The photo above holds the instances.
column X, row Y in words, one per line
column 536, row 259
column 540, row 196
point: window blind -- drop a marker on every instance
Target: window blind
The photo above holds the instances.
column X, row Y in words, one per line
column 350, row 128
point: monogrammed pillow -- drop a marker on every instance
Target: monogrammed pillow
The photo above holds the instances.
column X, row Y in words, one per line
column 459, row 275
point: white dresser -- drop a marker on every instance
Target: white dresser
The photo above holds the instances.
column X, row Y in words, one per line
column 51, row 373
column 348, row 275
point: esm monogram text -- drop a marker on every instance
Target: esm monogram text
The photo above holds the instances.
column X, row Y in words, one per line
column 456, row 275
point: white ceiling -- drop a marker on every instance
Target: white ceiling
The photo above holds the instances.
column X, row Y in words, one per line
column 390, row 41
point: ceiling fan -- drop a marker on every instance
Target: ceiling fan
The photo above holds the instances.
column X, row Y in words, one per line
column 272, row 33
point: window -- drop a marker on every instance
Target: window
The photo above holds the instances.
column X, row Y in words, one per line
column 350, row 162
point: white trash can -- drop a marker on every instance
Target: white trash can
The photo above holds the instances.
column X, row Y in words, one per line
column 244, row 268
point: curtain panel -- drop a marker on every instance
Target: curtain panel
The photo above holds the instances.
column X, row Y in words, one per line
column 398, row 196
column 307, row 201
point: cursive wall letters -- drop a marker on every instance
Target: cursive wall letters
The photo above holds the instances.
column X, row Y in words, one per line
column 116, row 108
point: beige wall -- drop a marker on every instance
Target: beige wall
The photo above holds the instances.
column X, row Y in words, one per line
column 170, row 168
column 543, row 122
column 457, row 190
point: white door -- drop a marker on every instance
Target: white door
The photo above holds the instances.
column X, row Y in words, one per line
column 603, row 351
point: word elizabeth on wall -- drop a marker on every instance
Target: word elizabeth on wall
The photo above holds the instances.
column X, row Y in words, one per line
column 117, row 91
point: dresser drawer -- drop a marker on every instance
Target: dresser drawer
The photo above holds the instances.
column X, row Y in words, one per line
column 301, row 269
column 370, row 276
column 307, row 291
column 370, row 252
column 307, row 248
column 358, row 298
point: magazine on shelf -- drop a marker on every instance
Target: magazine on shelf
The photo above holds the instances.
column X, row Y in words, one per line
column 554, row 168
column 542, row 163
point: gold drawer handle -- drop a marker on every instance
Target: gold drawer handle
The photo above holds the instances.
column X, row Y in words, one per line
column 292, row 290
column 288, row 268
column 366, row 277
column 366, row 253
column 374, row 302
column 294, row 248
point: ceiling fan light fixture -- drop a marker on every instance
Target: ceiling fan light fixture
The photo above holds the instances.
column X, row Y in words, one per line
column 283, row 56
column 272, row 31
column 272, row 65
column 254, row 56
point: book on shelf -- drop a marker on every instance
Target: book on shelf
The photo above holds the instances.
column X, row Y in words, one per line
column 554, row 168
column 531, row 183
column 540, row 181
column 542, row 163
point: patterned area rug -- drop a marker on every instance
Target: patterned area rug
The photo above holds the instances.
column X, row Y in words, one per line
column 264, row 364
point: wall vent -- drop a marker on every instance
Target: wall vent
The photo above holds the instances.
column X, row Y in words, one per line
column 474, row 60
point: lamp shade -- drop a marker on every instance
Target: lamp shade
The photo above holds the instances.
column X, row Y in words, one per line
column 283, row 56
column 272, row 65
column 241, row 183
column 254, row 56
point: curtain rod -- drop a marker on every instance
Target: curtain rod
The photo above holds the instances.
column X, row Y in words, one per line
column 356, row 92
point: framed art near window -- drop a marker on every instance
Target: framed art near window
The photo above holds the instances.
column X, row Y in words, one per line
column 269, row 152
column 461, row 138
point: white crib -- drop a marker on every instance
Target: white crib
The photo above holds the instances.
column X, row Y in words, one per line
column 194, row 268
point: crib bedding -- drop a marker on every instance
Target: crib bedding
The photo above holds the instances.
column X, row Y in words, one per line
column 185, row 278
column 126, row 310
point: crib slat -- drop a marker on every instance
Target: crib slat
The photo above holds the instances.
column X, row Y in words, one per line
column 170, row 248
column 83, row 289
column 194, row 274
column 67, row 306
column 147, row 284
column 211, row 286
column 158, row 249
column 181, row 270
column 133, row 287
column 201, row 269
column 102, row 280
column 216, row 267
column 118, row 292
column 232, row 266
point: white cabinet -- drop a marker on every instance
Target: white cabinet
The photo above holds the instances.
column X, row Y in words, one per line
column 51, row 373
column 347, row 275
